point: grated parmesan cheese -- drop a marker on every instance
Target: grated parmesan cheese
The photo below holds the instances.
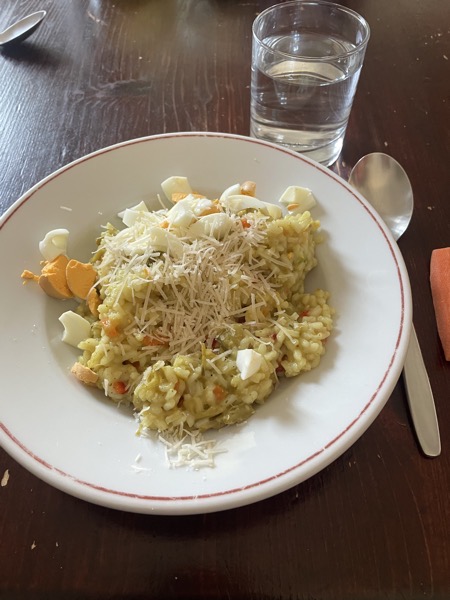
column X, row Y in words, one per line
column 184, row 318
column 188, row 449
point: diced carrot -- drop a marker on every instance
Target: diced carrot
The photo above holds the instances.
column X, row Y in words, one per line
column 119, row 387
column 152, row 341
column 245, row 223
column 440, row 290
column 219, row 393
column 109, row 327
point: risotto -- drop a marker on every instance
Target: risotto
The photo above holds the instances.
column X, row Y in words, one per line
column 198, row 310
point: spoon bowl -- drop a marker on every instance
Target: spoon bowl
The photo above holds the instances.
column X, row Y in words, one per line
column 22, row 29
column 384, row 183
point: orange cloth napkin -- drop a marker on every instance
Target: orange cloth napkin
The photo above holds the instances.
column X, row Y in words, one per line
column 440, row 290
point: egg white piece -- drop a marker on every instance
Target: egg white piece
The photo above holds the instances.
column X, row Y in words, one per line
column 182, row 214
column 54, row 244
column 216, row 225
column 248, row 362
column 130, row 215
column 240, row 202
column 298, row 199
column 176, row 185
column 233, row 190
column 164, row 241
column 76, row 328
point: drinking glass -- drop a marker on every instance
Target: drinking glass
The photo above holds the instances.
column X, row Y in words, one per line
column 306, row 59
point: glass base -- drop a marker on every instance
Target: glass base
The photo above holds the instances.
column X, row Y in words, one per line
column 325, row 153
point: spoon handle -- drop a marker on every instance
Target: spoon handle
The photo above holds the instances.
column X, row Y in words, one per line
column 420, row 399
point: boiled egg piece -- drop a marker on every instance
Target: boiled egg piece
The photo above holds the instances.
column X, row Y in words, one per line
column 54, row 244
column 130, row 215
column 176, row 185
column 216, row 225
column 164, row 241
column 297, row 199
column 248, row 362
column 181, row 214
column 233, row 190
column 239, row 202
column 76, row 328
column 186, row 211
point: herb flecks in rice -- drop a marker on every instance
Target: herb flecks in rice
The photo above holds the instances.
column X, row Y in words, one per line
column 172, row 321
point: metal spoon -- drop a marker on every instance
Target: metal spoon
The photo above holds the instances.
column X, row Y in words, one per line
column 22, row 29
column 384, row 183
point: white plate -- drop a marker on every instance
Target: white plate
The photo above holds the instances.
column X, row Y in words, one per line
column 74, row 439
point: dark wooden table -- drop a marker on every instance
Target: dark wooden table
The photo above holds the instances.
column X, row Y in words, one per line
column 374, row 524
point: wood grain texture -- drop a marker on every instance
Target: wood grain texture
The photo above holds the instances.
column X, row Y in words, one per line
column 374, row 524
